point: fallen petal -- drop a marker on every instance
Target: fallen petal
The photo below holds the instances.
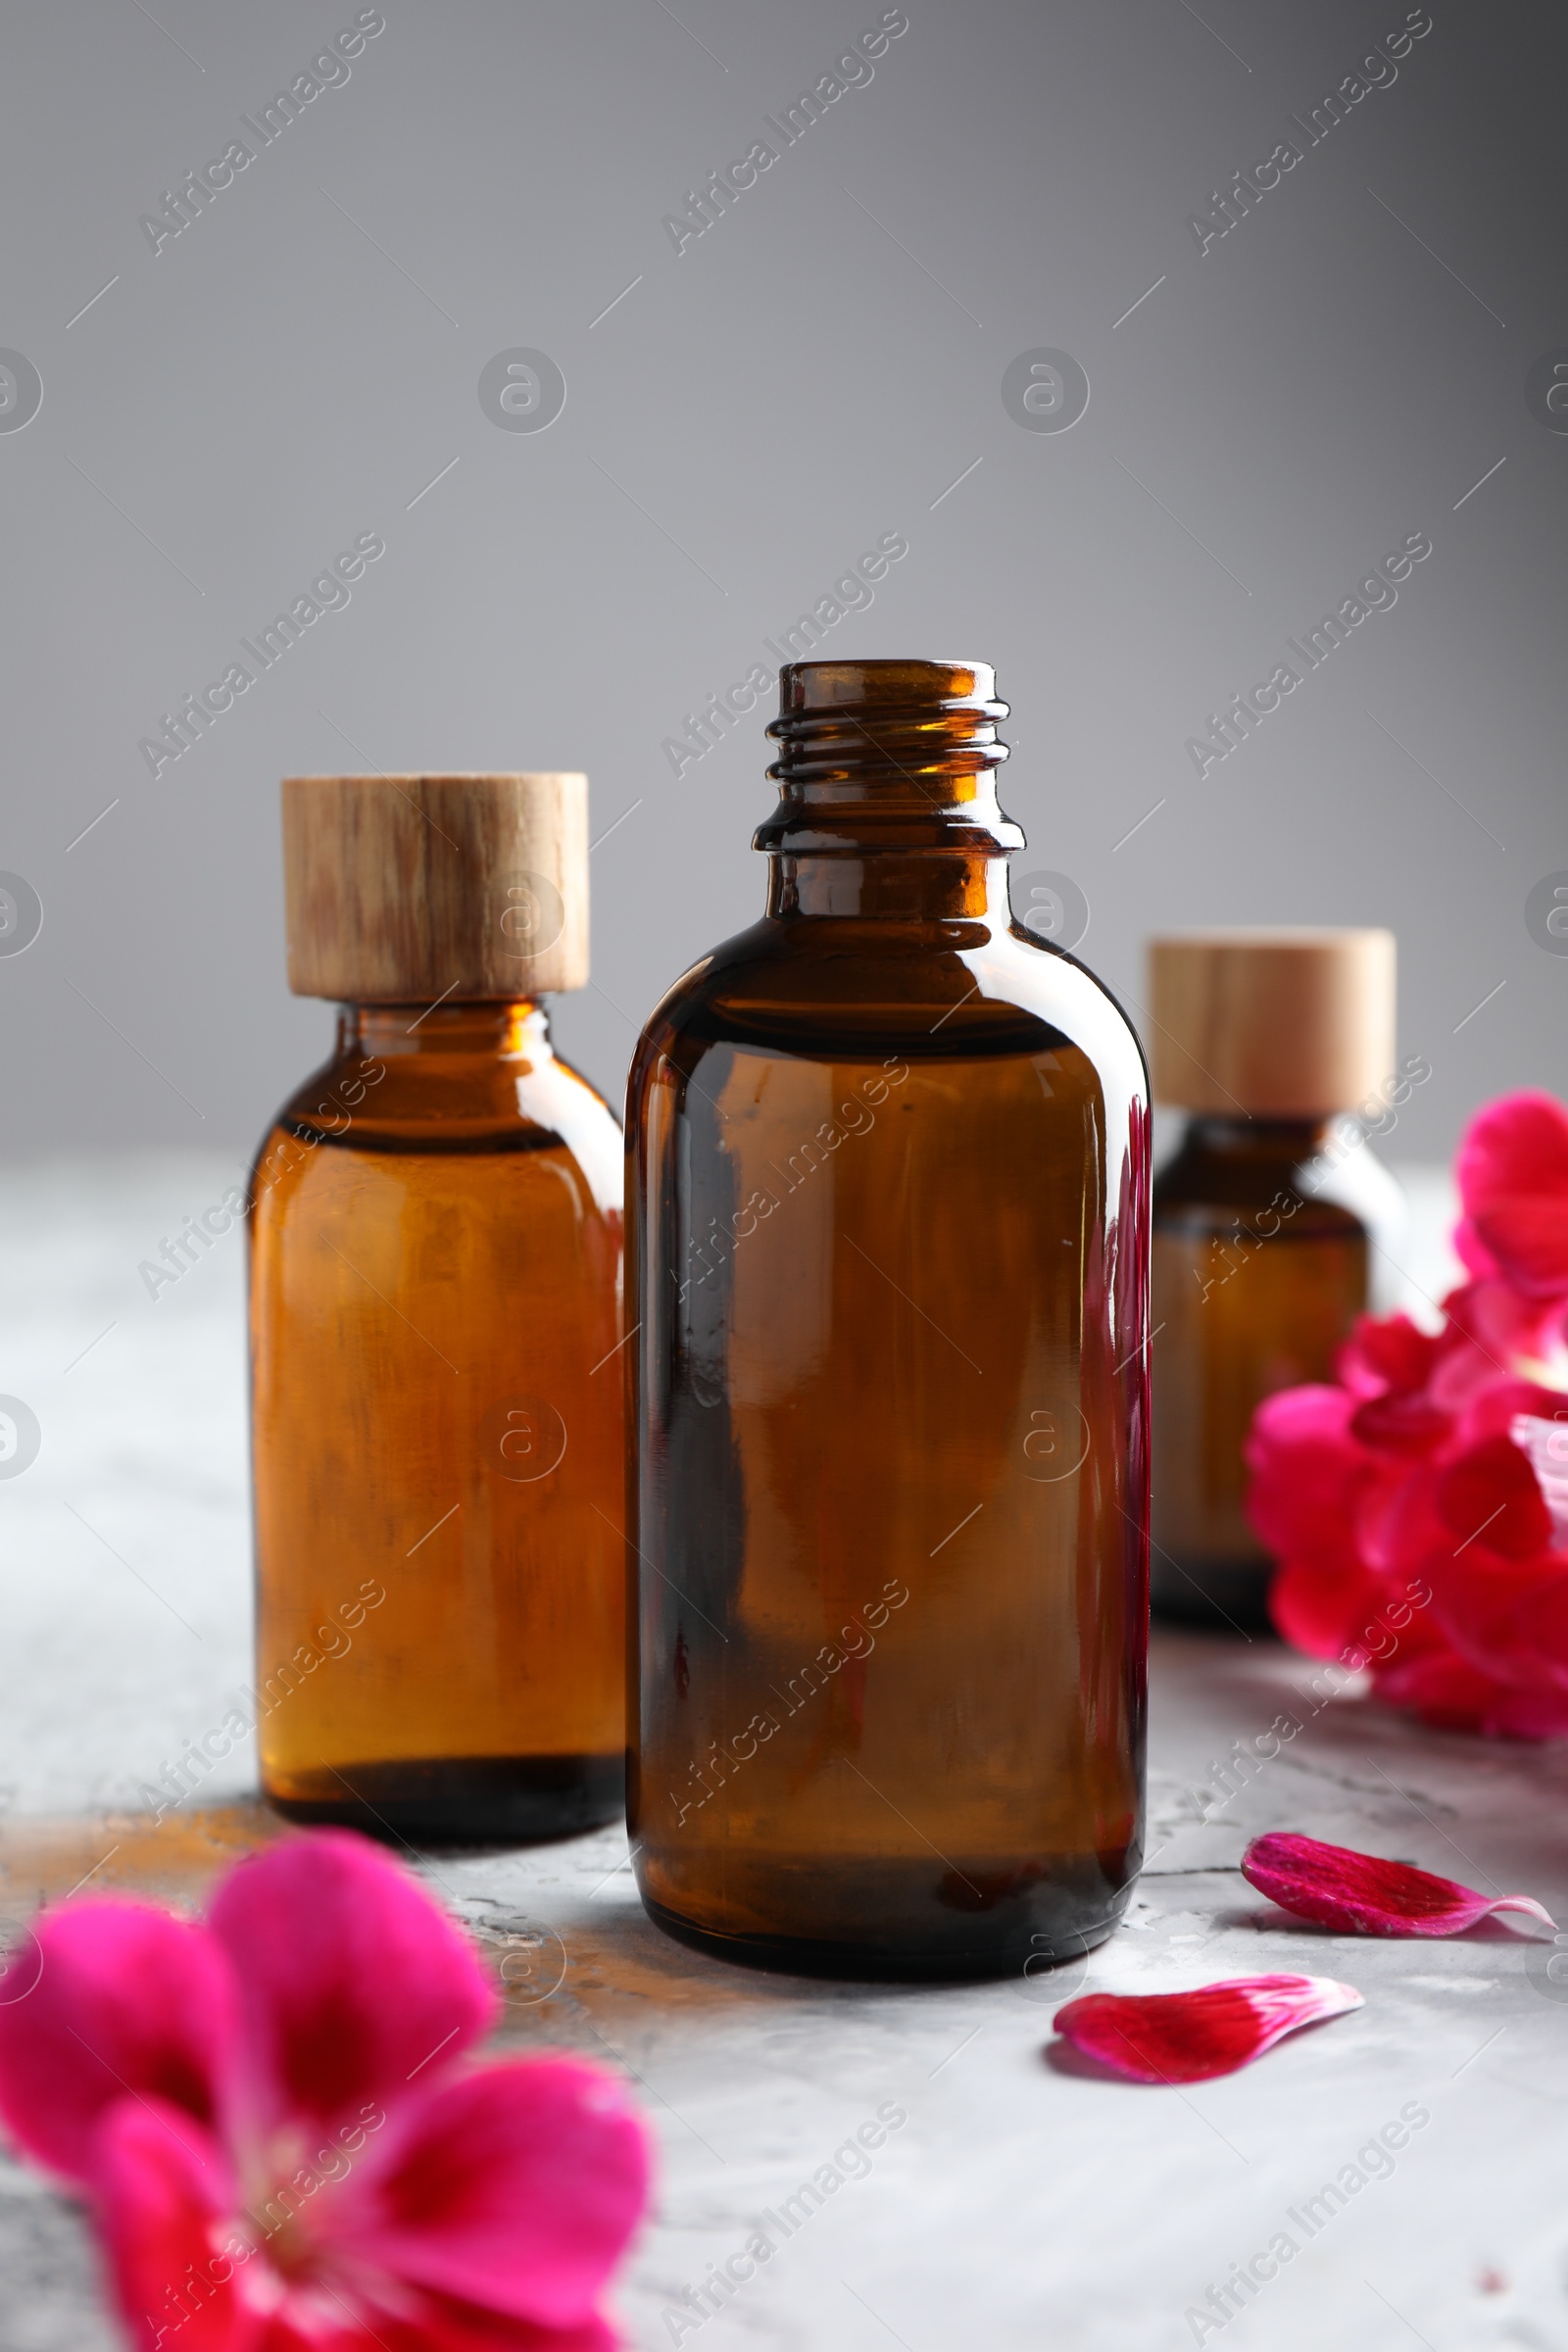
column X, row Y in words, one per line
column 1361, row 1894
column 1190, row 2036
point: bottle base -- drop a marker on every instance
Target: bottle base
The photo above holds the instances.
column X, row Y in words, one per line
column 460, row 1801
column 1220, row 1595
column 940, row 1961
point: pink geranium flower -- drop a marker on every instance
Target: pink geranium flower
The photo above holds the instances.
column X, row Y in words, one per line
column 1418, row 1510
column 285, row 2147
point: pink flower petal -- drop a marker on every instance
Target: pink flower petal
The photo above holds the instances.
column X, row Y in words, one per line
column 1447, row 1692
column 1489, row 1497
column 1364, row 1895
column 1404, row 1422
column 515, row 2188
column 1327, row 1610
column 1507, row 1619
column 106, row 2001
column 1388, row 1356
column 1309, row 1474
column 448, row 2326
column 1513, row 1181
column 1488, row 1327
column 188, row 2269
column 166, row 2199
column 353, row 1981
column 1190, row 2036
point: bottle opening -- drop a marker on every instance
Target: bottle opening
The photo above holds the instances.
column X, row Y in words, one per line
column 896, row 753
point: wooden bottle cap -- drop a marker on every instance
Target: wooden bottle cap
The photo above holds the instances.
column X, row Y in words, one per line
column 403, row 889
column 1276, row 1023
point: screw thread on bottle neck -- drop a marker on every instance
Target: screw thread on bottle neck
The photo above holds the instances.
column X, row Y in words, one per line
column 895, row 754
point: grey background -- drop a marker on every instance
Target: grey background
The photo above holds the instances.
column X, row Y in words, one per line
column 813, row 371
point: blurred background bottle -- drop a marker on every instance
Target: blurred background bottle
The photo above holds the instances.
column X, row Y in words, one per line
column 435, row 1303
column 1274, row 1226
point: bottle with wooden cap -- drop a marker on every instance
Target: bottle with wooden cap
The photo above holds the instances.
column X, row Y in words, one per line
column 435, row 1303
column 1267, row 1220
column 887, row 1265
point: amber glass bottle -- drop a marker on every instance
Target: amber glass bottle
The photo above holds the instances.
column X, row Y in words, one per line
column 1268, row 1221
column 887, row 1196
column 438, row 1424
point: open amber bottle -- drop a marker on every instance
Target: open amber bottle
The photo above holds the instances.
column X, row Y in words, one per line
column 435, row 1299
column 1267, row 1222
column 887, row 1196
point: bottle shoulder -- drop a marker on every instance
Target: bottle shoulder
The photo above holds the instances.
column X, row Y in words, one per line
column 1336, row 1189
column 849, row 989
column 445, row 1106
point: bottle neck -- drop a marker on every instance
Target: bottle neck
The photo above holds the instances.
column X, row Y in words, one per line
column 517, row 1030
column 1239, row 1133
column 887, row 885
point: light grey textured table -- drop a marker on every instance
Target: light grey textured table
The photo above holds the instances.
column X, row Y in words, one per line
column 1021, row 2204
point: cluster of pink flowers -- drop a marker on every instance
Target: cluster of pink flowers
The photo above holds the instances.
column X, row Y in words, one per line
column 275, row 2122
column 1419, row 1508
